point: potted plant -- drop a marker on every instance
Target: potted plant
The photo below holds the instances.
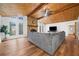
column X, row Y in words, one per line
column 4, row 30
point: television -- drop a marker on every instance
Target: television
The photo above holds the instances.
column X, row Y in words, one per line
column 53, row 28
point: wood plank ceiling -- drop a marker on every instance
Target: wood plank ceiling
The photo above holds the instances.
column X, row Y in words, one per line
column 61, row 12
column 34, row 10
column 29, row 9
column 16, row 9
column 55, row 7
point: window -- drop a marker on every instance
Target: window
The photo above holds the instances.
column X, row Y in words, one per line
column 20, row 28
column 12, row 28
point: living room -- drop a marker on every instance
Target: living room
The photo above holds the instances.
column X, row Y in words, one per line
column 39, row 29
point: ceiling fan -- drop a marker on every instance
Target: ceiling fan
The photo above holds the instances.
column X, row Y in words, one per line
column 47, row 12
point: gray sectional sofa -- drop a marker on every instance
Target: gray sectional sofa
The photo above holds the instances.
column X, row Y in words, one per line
column 49, row 42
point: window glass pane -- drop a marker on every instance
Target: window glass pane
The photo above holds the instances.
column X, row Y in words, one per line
column 21, row 28
column 12, row 28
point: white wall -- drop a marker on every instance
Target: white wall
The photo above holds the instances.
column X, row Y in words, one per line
column 41, row 26
column 61, row 26
column 77, row 28
column 25, row 26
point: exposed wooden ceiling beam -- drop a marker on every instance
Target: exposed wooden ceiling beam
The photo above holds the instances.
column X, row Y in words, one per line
column 37, row 8
column 33, row 17
column 40, row 17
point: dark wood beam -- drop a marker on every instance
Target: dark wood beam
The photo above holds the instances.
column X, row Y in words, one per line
column 40, row 17
column 32, row 25
column 37, row 8
column 33, row 17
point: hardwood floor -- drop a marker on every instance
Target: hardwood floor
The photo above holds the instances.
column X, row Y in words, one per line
column 70, row 47
column 22, row 47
